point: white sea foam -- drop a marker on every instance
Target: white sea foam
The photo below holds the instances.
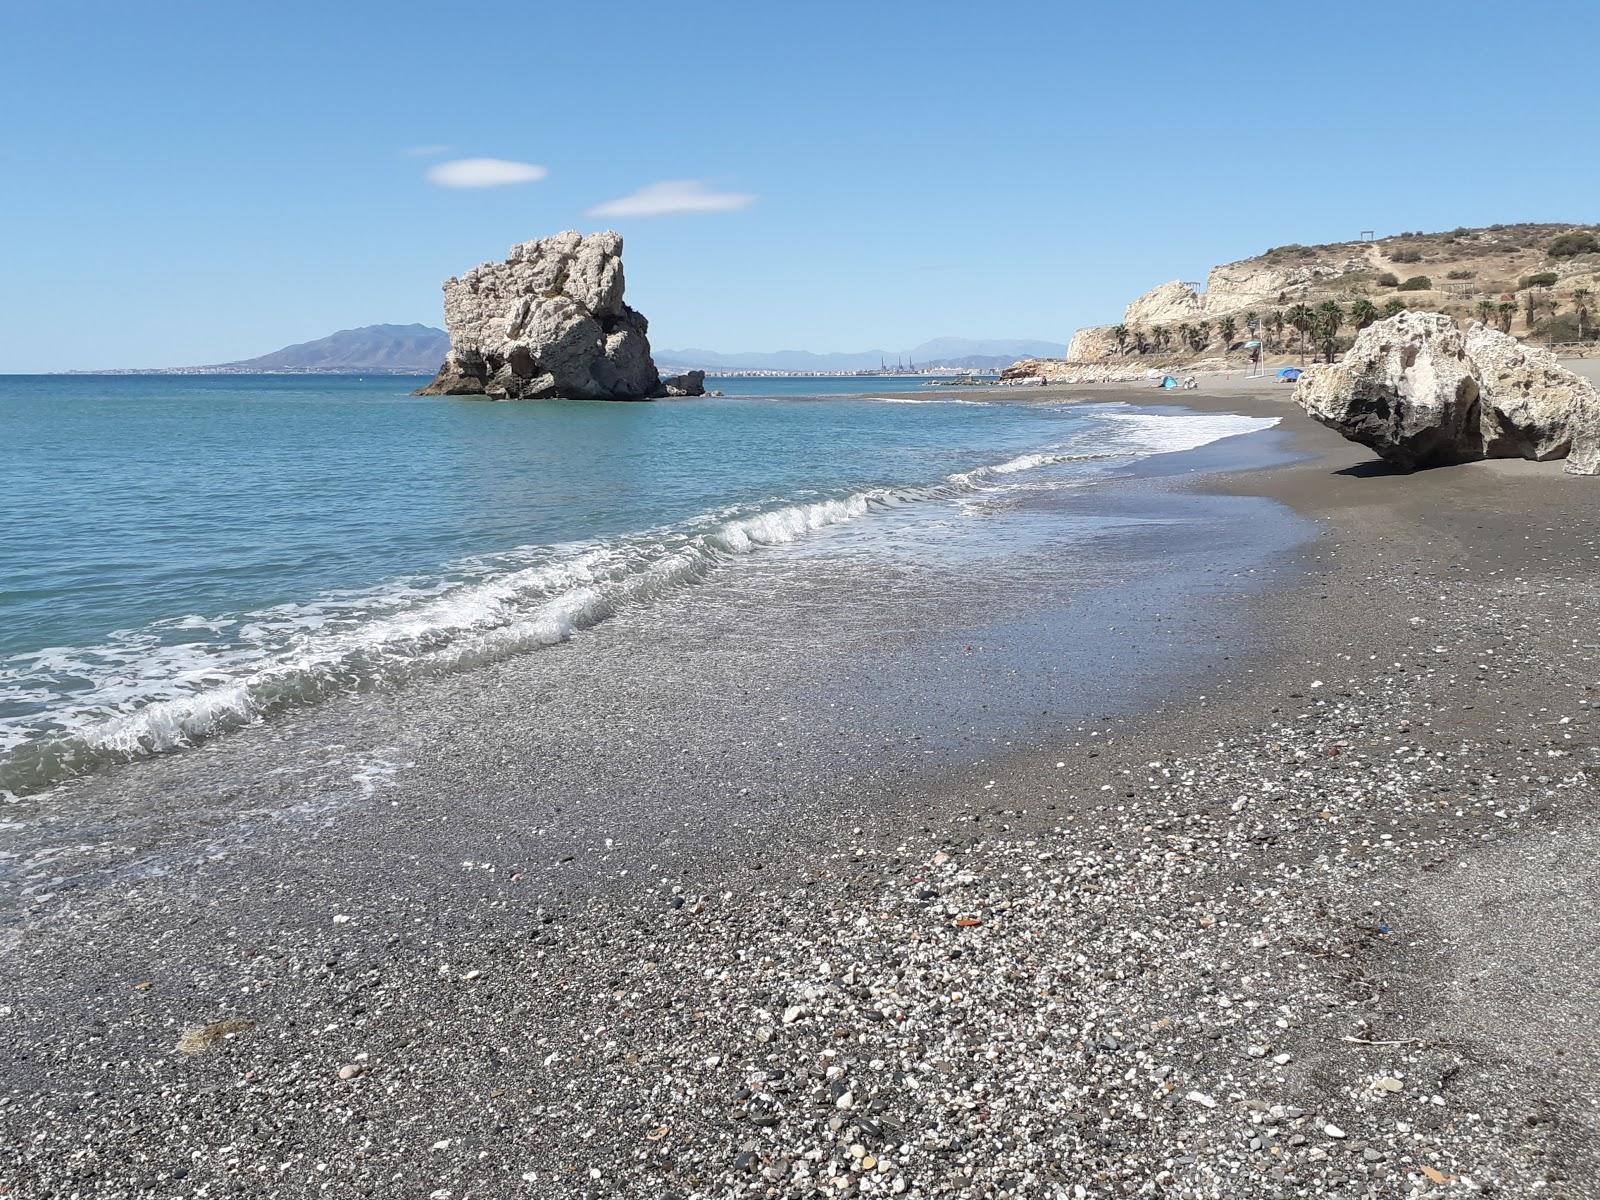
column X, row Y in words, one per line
column 151, row 691
column 1156, row 433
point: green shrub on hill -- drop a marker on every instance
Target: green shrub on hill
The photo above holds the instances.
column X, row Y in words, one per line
column 1577, row 242
column 1541, row 279
column 1292, row 252
column 1459, row 274
column 1404, row 256
column 1417, row 283
column 1388, row 279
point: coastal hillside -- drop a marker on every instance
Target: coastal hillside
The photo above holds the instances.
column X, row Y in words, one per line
column 1538, row 282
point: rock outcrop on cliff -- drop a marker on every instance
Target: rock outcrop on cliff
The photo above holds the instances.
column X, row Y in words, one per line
column 1423, row 392
column 1170, row 304
column 549, row 322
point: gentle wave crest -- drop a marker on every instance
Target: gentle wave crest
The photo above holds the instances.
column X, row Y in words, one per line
column 144, row 695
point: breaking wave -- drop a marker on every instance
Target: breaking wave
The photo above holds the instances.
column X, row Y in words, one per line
column 158, row 689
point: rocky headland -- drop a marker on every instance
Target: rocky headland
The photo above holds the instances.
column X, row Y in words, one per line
column 550, row 322
column 1532, row 281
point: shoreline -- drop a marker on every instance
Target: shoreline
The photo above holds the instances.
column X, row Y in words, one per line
column 555, row 1036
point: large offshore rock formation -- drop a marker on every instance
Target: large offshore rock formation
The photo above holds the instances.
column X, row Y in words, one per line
column 549, row 322
column 1422, row 392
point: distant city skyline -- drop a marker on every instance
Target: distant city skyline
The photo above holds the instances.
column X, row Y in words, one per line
column 843, row 178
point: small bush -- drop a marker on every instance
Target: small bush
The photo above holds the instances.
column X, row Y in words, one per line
column 1569, row 244
column 1565, row 328
column 1417, row 283
column 1388, row 279
column 1542, row 279
column 1404, row 256
column 1459, row 274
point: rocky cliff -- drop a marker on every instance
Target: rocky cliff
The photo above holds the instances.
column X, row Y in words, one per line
column 1529, row 280
column 550, row 322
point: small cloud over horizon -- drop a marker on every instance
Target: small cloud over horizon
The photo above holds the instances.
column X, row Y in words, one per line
column 426, row 151
column 671, row 197
column 483, row 173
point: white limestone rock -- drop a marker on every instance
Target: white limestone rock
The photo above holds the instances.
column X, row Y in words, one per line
column 1405, row 388
column 548, row 321
column 1532, row 406
column 1422, row 393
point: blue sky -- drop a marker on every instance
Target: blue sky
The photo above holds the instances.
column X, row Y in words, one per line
column 194, row 182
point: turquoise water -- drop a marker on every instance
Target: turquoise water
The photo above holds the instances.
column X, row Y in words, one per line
column 182, row 555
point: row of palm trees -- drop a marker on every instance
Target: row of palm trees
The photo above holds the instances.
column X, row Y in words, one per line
column 1501, row 313
column 1318, row 327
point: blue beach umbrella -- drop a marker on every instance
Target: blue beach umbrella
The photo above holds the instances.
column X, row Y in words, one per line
column 1288, row 374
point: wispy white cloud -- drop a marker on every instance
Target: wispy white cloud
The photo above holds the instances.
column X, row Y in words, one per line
column 670, row 197
column 426, row 151
column 483, row 173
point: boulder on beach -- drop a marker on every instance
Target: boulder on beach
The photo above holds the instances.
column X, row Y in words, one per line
column 548, row 322
column 1423, row 392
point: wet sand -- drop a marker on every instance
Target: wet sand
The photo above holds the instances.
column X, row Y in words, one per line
column 1292, row 916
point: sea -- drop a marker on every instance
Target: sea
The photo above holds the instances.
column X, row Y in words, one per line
column 185, row 556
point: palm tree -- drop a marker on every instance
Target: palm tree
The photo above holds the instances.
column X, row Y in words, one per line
column 1506, row 310
column 1533, row 300
column 1580, row 304
column 1363, row 312
column 1185, row 334
column 1252, row 322
column 1485, row 310
column 1227, row 328
column 1120, row 334
column 1329, row 320
column 1161, row 336
column 1275, row 320
column 1140, row 342
column 1394, row 307
column 1300, row 317
column 1200, row 335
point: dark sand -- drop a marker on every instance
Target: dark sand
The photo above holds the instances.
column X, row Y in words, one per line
column 745, row 933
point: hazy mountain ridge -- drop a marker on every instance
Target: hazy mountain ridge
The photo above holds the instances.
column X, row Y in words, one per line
column 368, row 350
column 394, row 349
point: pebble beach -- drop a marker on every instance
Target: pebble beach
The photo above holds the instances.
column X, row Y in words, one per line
column 1309, row 920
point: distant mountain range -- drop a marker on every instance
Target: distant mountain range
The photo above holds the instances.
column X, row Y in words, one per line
column 419, row 349
column 374, row 349
column 969, row 353
column 369, row 350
